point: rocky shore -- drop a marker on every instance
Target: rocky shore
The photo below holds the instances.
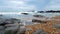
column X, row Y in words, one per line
column 9, row 26
column 52, row 26
column 38, row 25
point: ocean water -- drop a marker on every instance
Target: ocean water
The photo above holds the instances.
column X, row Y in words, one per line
column 29, row 16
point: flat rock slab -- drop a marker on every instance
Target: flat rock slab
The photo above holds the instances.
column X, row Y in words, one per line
column 2, row 27
column 57, row 25
column 39, row 31
column 2, row 32
column 22, row 29
column 12, row 28
column 11, row 25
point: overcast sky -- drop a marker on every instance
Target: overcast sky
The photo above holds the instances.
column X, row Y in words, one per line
column 26, row 5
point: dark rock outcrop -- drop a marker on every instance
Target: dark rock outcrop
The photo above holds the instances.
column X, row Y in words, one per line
column 39, row 21
column 25, row 13
column 39, row 16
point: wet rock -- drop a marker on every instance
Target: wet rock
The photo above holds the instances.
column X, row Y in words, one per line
column 2, row 32
column 58, row 31
column 38, row 16
column 29, row 23
column 39, row 31
column 40, row 11
column 2, row 27
column 11, row 30
column 57, row 25
column 1, row 15
column 12, row 21
column 25, row 13
column 22, row 30
column 40, row 21
column 11, row 25
column 43, row 33
column 2, row 24
column 9, row 22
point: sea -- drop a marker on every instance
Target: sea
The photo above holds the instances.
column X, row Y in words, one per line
column 22, row 16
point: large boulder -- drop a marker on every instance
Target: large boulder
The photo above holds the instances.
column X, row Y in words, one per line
column 39, row 31
column 57, row 25
column 58, row 31
column 11, row 30
column 2, row 27
column 12, row 21
column 40, row 21
column 22, row 30
column 2, row 22
column 40, row 16
column 2, row 32
column 11, row 25
column 25, row 13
